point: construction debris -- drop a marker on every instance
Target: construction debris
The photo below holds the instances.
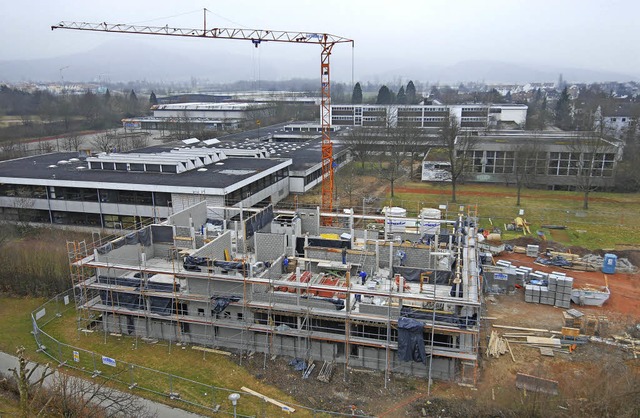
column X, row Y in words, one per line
column 623, row 265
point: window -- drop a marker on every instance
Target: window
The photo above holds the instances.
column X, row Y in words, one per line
column 200, row 311
column 240, row 316
column 354, row 350
column 227, row 315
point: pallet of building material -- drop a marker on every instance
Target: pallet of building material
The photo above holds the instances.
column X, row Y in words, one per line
column 590, row 325
column 326, row 371
column 519, row 250
column 567, row 256
column 603, row 326
column 580, row 266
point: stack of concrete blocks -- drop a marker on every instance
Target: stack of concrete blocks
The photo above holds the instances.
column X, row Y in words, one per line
column 562, row 286
column 532, row 250
column 532, row 293
column 522, row 274
column 503, row 263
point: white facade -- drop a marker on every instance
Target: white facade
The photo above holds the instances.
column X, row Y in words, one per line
column 469, row 116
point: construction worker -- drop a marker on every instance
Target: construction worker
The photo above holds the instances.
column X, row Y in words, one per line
column 363, row 276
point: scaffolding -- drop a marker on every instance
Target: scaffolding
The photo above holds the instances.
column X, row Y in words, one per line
column 280, row 313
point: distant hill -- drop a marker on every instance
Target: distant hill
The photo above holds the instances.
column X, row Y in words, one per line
column 132, row 60
column 495, row 72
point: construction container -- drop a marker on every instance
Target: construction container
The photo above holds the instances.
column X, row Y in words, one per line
column 395, row 221
column 609, row 263
column 430, row 218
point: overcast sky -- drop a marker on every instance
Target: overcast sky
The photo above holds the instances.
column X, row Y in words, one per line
column 598, row 35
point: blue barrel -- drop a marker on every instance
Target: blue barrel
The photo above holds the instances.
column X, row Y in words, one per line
column 609, row 263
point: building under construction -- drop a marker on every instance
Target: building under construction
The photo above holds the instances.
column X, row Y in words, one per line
column 399, row 299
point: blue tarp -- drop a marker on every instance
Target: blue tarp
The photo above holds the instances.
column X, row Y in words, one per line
column 410, row 340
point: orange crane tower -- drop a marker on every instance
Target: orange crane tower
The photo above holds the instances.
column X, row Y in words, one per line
column 256, row 36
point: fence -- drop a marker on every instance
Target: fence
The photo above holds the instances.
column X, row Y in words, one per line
column 206, row 398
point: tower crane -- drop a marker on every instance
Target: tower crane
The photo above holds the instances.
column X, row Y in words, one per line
column 256, row 36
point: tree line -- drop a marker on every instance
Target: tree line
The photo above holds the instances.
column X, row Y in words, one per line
column 43, row 114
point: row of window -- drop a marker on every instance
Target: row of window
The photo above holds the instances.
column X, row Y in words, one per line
column 255, row 187
column 23, row 214
column 151, row 168
column 310, row 178
column 80, row 194
column 552, row 164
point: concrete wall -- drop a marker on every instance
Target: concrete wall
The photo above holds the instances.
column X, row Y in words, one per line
column 269, row 246
column 310, row 221
column 214, row 250
column 127, row 254
column 197, row 213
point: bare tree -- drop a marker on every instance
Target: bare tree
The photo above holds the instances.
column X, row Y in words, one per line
column 61, row 395
column 73, row 142
column 140, row 141
column 592, row 159
column 70, row 396
column 394, row 155
column 524, row 165
column 347, row 181
column 360, row 141
column 414, row 141
column 26, row 387
column 458, row 146
column 103, row 142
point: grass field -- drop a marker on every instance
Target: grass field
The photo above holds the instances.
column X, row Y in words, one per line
column 611, row 220
column 210, row 369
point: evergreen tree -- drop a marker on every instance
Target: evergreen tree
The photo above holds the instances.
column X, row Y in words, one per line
column 384, row 96
column 107, row 96
column 132, row 96
column 356, row 96
column 410, row 92
column 507, row 97
column 153, row 99
column 563, row 111
column 401, row 98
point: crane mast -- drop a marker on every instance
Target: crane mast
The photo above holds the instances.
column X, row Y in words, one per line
column 256, row 36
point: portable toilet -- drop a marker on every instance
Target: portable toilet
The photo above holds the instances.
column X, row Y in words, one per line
column 609, row 263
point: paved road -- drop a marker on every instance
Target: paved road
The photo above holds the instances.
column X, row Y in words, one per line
column 8, row 361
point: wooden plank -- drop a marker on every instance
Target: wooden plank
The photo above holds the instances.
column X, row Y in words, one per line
column 510, row 351
column 520, row 328
column 268, row 399
column 553, row 342
column 210, row 350
column 570, row 332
